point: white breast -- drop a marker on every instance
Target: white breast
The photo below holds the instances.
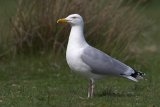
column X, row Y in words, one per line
column 74, row 60
column 76, row 64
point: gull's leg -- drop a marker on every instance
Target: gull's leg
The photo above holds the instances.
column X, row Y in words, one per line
column 90, row 88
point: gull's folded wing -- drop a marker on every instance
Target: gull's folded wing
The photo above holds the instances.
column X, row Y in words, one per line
column 101, row 63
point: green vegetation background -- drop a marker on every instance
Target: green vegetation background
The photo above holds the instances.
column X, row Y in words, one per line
column 46, row 80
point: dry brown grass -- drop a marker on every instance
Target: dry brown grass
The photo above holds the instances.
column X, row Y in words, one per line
column 111, row 25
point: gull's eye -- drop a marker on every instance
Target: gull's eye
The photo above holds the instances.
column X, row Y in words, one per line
column 74, row 17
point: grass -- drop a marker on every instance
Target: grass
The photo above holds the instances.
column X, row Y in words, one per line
column 34, row 26
column 46, row 80
column 40, row 82
column 7, row 10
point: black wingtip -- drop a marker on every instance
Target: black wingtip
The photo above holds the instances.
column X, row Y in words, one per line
column 137, row 74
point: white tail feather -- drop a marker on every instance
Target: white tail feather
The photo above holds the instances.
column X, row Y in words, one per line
column 131, row 78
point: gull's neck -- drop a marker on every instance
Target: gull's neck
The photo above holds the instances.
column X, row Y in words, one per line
column 76, row 37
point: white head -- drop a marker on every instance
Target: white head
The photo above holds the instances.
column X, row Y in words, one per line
column 73, row 19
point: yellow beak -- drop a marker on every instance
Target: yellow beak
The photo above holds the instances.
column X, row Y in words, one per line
column 61, row 20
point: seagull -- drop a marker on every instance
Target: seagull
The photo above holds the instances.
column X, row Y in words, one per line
column 89, row 61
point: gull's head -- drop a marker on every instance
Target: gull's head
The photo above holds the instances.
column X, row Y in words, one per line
column 73, row 19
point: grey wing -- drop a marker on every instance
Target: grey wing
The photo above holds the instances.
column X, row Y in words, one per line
column 101, row 63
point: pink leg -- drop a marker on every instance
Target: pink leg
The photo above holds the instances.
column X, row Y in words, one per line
column 91, row 88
